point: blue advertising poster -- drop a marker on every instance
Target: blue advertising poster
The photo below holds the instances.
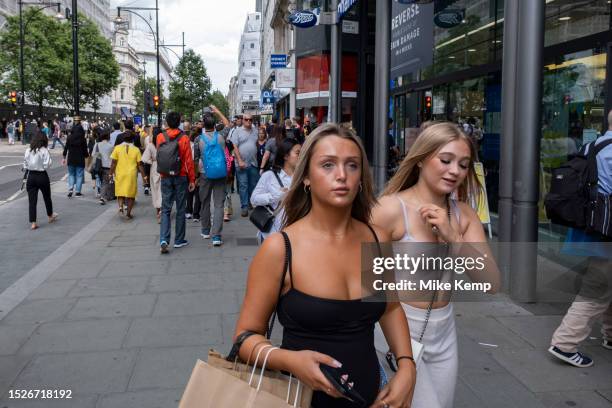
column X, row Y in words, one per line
column 412, row 39
column 278, row 61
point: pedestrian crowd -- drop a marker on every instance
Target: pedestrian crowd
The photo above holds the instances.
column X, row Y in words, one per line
column 309, row 191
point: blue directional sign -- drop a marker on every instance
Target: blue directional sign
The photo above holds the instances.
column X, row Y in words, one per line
column 278, row 61
column 303, row 19
column 267, row 97
column 344, row 6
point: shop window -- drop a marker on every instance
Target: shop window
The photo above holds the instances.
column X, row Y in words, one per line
column 573, row 110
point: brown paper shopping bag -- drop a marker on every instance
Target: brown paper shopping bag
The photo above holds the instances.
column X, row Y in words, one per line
column 221, row 384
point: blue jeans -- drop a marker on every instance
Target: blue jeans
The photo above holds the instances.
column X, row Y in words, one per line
column 247, row 180
column 58, row 140
column 75, row 178
column 173, row 189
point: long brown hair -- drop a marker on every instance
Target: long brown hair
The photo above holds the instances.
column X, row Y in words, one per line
column 431, row 139
column 297, row 202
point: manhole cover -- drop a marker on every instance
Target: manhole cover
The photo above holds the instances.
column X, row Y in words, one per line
column 250, row 241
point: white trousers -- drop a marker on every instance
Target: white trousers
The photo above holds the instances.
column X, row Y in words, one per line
column 437, row 369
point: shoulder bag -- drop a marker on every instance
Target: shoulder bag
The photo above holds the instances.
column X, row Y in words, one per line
column 263, row 216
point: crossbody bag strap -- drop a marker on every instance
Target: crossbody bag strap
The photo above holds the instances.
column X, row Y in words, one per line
column 433, row 298
column 287, row 265
column 278, row 179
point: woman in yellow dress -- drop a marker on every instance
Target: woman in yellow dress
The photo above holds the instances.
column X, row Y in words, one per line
column 126, row 161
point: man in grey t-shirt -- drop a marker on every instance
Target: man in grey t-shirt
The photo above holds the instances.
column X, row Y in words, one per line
column 245, row 150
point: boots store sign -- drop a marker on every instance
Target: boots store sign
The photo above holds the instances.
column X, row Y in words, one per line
column 412, row 42
column 303, row 19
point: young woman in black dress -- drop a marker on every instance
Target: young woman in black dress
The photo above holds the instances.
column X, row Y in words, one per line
column 322, row 309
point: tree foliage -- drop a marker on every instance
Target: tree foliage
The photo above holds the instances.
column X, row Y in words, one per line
column 218, row 99
column 151, row 85
column 190, row 85
column 98, row 68
column 43, row 56
column 48, row 60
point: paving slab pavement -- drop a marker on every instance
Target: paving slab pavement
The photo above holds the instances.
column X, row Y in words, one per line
column 121, row 325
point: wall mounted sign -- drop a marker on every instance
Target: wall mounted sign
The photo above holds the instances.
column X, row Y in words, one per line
column 412, row 40
column 344, row 6
column 449, row 18
column 278, row 61
column 303, row 19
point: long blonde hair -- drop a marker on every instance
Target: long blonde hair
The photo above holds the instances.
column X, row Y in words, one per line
column 297, row 202
column 431, row 139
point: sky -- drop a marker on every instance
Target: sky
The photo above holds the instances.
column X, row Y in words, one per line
column 212, row 28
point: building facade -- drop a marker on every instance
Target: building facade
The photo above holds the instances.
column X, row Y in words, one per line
column 235, row 104
column 123, row 99
column 277, row 38
column 249, row 70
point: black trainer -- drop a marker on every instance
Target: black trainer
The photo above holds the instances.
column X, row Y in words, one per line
column 576, row 359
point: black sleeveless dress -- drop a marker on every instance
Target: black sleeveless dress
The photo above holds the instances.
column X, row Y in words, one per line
column 342, row 329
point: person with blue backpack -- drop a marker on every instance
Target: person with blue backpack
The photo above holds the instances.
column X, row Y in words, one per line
column 209, row 153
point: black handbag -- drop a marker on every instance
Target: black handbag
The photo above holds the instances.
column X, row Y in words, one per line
column 263, row 216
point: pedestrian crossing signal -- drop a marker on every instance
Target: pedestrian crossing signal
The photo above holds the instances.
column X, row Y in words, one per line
column 13, row 97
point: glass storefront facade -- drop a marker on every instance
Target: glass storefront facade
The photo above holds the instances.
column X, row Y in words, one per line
column 464, row 82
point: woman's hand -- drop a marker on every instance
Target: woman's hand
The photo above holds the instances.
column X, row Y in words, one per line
column 437, row 219
column 305, row 366
column 398, row 392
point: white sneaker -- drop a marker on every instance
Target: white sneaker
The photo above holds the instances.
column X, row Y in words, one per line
column 188, row 216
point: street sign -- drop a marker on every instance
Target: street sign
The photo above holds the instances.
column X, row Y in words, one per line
column 267, row 97
column 303, row 19
column 138, row 120
column 278, row 61
column 350, row 27
column 344, row 6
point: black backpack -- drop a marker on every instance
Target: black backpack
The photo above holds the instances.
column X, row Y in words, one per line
column 573, row 193
column 168, row 156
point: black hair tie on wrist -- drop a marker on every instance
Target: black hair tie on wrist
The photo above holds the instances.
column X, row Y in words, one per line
column 397, row 359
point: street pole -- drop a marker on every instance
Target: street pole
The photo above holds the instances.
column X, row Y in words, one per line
column 509, row 81
column 157, row 51
column 335, row 83
column 525, row 195
column 381, row 91
column 75, row 56
column 183, row 53
column 145, row 108
column 21, row 71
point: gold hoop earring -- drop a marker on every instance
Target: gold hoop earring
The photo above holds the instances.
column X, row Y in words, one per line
column 306, row 188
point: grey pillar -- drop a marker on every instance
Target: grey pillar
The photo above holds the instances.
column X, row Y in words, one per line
column 526, row 187
column 381, row 92
column 509, row 73
column 335, row 83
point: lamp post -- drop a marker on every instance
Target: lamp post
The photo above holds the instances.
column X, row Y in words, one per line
column 155, row 33
column 22, row 27
column 145, row 108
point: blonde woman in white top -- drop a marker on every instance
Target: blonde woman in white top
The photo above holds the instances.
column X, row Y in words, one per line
column 149, row 157
column 36, row 162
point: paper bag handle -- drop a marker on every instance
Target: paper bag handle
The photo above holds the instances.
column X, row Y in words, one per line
column 255, row 362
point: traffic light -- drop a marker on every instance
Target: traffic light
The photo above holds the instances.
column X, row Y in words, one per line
column 428, row 107
column 13, row 98
column 156, row 102
column 149, row 104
